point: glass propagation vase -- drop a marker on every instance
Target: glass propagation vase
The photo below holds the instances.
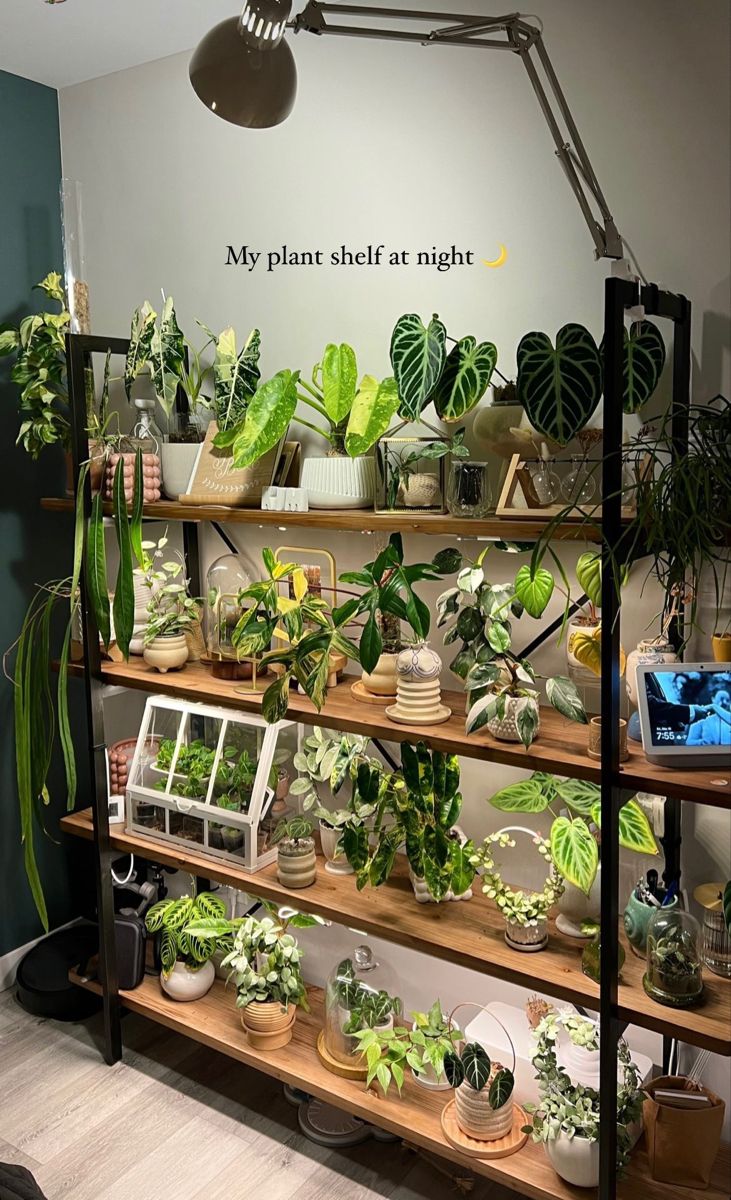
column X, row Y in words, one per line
column 226, row 577
column 468, row 491
column 360, row 994
column 673, row 975
column 579, row 486
column 546, row 481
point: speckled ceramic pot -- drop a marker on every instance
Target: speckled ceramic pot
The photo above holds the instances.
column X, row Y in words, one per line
column 477, row 1118
column 296, row 863
column 505, row 729
column 636, row 919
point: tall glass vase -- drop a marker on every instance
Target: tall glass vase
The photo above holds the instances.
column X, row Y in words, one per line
column 74, row 262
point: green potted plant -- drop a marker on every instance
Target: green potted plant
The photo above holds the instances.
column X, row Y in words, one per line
column 482, row 1092
column 265, row 966
column 574, row 844
column 355, row 1006
column 187, row 972
column 432, row 1037
column 331, row 762
column 390, row 1049
column 674, row 974
column 525, row 911
column 424, row 372
column 171, row 612
column 296, row 860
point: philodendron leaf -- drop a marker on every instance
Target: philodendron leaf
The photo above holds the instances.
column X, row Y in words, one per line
column 501, row 1088
column 635, row 831
column 526, row 796
column 586, row 647
column 644, row 359
column 589, row 576
column 267, row 418
column 453, row 1069
column 574, row 852
column 559, row 387
column 578, row 795
column 534, row 588
column 476, row 1063
column 417, row 359
column 339, row 378
column 465, row 379
column 565, row 698
column 373, row 409
column 527, row 721
column 482, row 711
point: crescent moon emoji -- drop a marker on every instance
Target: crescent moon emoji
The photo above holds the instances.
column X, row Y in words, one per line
column 497, row 262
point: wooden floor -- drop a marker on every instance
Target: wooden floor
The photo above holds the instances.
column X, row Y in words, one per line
column 176, row 1119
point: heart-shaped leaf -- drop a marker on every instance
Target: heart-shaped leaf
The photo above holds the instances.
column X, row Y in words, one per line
column 589, row 576
column 498, row 636
column 417, row 358
column 527, row 796
column 644, row 359
column 565, row 698
column 371, row 414
column 339, row 378
column 465, row 379
column 501, row 1088
column 574, row 852
column 453, row 1069
column 635, row 831
column 476, row 1063
column 534, row 588
column 268, row 416
column 578, row 795
column 559, row 387
column 447, row 561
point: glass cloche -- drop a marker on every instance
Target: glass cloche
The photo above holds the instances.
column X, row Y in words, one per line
column 673, row 973
column 360, row 994
column 225, row 579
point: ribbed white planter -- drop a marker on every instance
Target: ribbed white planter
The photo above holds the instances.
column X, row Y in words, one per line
column 177, row 460
column 335, row 861
column 338, row 482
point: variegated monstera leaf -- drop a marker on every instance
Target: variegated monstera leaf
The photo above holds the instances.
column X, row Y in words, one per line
column 559, row 386
column 465, row 378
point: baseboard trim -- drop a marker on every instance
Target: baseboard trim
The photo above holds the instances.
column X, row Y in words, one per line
column 9, row 962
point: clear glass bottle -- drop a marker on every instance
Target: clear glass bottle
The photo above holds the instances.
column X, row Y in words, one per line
column 74, row 262
column 546, row 481
column 226, row 577
column 360, row 994
column 468, row 490
column 673, row 974
column 579, row 486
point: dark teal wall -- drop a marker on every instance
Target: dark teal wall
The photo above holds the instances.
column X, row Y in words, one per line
column 33, row 547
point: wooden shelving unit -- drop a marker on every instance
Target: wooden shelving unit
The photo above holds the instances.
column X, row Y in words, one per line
column 415, row 1116
column 469, row 934
column 560, row 747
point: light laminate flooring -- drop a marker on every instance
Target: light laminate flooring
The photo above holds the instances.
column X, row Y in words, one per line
column 175, row 1119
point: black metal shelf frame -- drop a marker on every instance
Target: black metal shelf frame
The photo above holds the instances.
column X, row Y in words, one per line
column 620, row 295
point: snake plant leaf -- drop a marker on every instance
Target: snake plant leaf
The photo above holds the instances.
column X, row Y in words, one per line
column 589, row 576
column 501, row 1088
column 140, row 342
column 565, row 698
column 578, row 795
column 138, row 501
column 96, row 570
column 417, row 358
column 167, row 357
column 574, row 852
column 644, row 359
column 373, row 410
column 339, row 372
column 534, row 587
column 559, row 387
column 124, row 599
column 236, row 377
column 267, row 418
column 527, row 796
column 727, row 906
column 465, row 378
column 453, row 1069
column 476, row 1063
column 635, row 831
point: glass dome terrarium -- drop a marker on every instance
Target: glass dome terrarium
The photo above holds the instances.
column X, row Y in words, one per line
column 360, row 994
column 208, row 776
column 673, row 974
column 226, row 577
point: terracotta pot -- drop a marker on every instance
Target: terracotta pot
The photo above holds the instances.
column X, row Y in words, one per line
column 167, row 653
column 188, row 983
column 575, row 1159
column 721, row 647
column 297, row 864
column 505, row 729
column 268, row 1024
column 382, row 680
column 477, row 1118
column 335, row 861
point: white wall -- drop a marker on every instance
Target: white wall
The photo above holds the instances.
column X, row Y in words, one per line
column 412, row 148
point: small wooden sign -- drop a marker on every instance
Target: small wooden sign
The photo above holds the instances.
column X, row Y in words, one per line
column 215, row 480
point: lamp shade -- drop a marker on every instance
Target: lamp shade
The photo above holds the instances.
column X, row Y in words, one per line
column 243, row 85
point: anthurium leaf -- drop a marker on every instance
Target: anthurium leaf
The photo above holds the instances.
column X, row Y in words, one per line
column 635, row 831
column 373, row 410
column 268, row 416
column 453, row 1069
column 559, row 387
column 644, row 359
column 417, row 358
column 476, row 1063
column 565, row 698
column 589, row 576
column 339, row 371
column 465, row 379
column 578, row 795
column 526, row 796
column 574, row 852
column 534, row 588
column 501, row 1088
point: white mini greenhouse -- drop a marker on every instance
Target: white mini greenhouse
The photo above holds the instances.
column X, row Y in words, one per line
column 214, row 777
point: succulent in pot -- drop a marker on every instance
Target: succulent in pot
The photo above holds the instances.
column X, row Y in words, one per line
column 187, row 972
column 482, row 1092
column 525, row 911
column 296, row 860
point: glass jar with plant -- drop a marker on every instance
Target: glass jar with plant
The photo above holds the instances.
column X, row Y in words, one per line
column 332, row 762
column 296, row 860
column 566, row 1118
column 187, row 972
column 171, row 612
column 525, row 911
column 674, row 974
column 574, row 838
column 359, row 995
column 501, row 686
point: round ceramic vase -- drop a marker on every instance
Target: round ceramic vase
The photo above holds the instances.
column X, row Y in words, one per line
column 636, row 919
column 338, row 481
column 177, row 460
column 383, row 679
column 188, row 983
column 477, row 1118
column 646, row 653
column 418, row 696
column 575, row 1159
column 167, row 653
column 268, row 1024
column 297, row 864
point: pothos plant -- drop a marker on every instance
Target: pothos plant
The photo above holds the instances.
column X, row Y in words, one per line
column 574, row 847
column 331, row 762
column 389, row 1050
column 478, row 614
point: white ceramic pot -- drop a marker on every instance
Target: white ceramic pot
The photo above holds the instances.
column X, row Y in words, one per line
column 421, row 490
column 383, row 679
column 505, row 728
column 577, row 671
column 167, row 653
column 185, row 983
column 477, row 1118
column 335, row 861
column 646, row 652
column 177, row 460
column 575, row 1159
column 338, row 481
column 418, row 691
column 575, row 906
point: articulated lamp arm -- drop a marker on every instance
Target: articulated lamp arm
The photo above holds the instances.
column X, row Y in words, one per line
column 518, row 36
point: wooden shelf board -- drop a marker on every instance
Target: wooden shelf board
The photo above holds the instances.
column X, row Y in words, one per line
column 467, row 933
column 560, row 746
column 522, row 529
column 214, row 1021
